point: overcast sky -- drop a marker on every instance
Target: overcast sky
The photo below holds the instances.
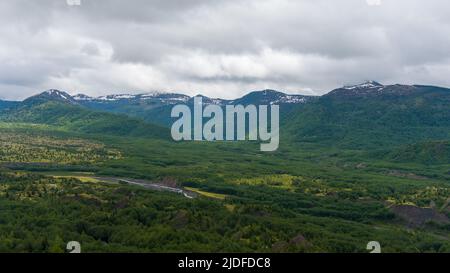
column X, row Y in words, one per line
column 220, row 48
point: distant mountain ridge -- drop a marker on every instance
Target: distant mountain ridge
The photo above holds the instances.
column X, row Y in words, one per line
column 169, row 97
column 357, row 116
column 51, row 95
column 155, row 107
column 58, row 108
column 265, row 96
column 373, row 88
column 374, row 115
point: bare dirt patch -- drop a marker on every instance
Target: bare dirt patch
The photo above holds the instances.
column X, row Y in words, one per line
column 416, row 216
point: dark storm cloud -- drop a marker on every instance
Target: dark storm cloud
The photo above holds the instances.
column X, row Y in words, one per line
column 220, row 48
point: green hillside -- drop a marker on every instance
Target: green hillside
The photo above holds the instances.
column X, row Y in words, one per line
column 353, row 166
column 398, row 115
column 79, row 119
column 434, row 152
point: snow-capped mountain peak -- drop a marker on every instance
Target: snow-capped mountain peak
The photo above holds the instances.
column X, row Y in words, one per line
column 365, row 85
column 271, row 97
column 52, row 95
column 163, row 98
column 370, row 89
column 57, row 94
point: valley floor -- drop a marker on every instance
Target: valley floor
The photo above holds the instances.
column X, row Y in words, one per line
column 118, row 194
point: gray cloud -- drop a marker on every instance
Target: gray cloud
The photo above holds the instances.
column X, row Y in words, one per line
column 219, row 48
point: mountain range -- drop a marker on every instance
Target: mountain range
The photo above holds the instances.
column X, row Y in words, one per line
column 151, row 107
column 59, row 109
column 360, row 163
column 368, row 115
column 375, row 115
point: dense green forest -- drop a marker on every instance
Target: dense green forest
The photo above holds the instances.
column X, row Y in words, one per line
column 304, row 198
column 352, row 167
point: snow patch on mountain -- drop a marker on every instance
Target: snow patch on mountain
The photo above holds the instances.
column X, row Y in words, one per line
column 57, row 93
column 294, row 99
column 82, row 97
column 258, row 97
column 169, row 98
column 116, row 97
column 366, row 85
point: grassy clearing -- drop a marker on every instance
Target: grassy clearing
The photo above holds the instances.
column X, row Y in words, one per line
column 85, row 179
column 207, row 194
column 280, row 181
